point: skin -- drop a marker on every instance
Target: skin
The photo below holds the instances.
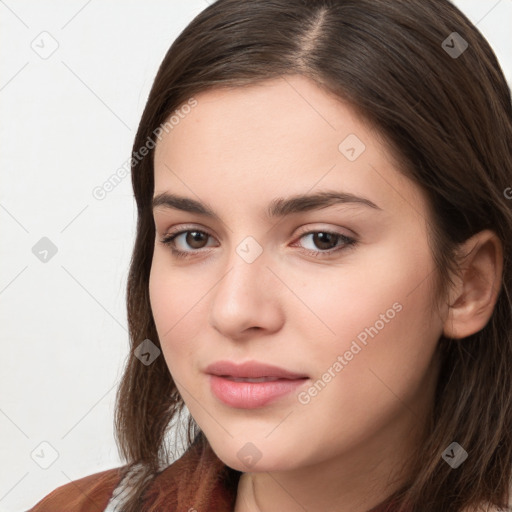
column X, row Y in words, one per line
column 237, row 150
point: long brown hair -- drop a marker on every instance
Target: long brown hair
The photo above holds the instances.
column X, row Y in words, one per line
column 447, row 119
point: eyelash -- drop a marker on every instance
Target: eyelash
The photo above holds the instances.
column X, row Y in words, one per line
column 348, row 242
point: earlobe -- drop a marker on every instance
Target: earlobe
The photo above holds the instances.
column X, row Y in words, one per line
column 478, row 286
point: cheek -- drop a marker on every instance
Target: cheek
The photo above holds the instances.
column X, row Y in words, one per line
column 383, row 329
column 374, row 286
column 177, row 303
column 378, row 310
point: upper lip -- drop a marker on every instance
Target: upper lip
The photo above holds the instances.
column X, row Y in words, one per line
column 250, row 369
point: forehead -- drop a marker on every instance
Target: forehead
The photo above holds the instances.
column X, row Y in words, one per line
column 281, row 111
column 279, row 137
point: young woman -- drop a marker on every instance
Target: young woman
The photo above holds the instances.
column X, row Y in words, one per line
column 322, row 268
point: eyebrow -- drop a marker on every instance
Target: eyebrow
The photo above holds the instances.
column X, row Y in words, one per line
column 279, row 207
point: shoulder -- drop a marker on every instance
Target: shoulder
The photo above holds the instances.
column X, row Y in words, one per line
column 197, row 480
column 88, row 494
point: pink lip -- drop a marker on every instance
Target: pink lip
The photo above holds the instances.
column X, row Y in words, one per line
column 250, row 369
column 250, row 395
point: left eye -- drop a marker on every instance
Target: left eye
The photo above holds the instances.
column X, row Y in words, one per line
column 195, row 239
column 326, row 238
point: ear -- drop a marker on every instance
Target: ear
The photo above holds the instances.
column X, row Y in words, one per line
column 473, row 299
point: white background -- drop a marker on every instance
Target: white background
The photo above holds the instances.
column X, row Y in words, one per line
column 67, row 124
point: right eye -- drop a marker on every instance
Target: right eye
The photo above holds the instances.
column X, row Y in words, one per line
column 192, row 238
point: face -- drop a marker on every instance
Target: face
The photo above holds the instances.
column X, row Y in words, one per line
column 337, row 292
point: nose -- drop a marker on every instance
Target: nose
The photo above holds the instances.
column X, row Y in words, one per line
column 247, row 297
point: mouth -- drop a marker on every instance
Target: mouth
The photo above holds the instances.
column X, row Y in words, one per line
column 252, row 385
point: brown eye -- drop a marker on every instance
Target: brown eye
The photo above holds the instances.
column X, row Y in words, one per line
column 326, row 243
column 195, row 239
column 324, row 240
column 186, row 242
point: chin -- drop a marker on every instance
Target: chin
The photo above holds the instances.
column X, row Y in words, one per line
column 249, row 457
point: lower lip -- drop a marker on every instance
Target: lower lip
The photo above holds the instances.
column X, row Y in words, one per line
column 250, row 395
